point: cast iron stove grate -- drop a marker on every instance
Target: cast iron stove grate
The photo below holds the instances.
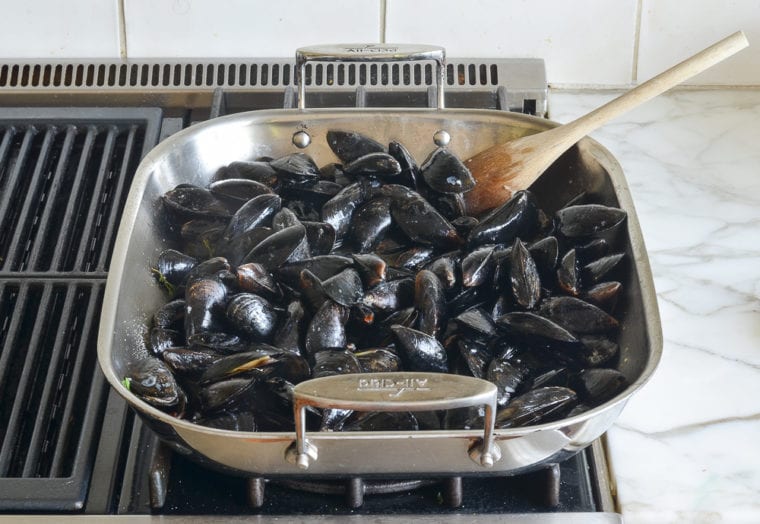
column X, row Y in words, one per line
column 64, row 176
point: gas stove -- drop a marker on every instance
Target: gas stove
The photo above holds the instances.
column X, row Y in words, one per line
column 71, row 136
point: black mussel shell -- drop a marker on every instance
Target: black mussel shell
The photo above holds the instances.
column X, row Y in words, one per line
column 409, row 170
column 477, row 322
column 258, row 357
column 505, row 377
column 597, row 386
column 373, row 164
column 260, row 172
column 420, row 351
column 409, row 259
column 370, row 223
column 162, row 339
column 518, row 217
column 390, row 296
column 286, row 245
column 296, row 169
column 231, row 421
column 445, row 268
column 323, row 267
column 537, row 406
column 174, row 266
column 235, row 394
column 533, row 325
column 592, row 250
column 252, row 315
column 187, row 202
column 220, row 342
column 254, row 278
column 596, row 271
column 445, row 173
column 430, row 301
column 465, row 225
column 545, row 253
column 470, row 297
column 170, row 314
column 327, row 329
column 339, row 210
column 320, row 236
column 202, row 237
column 604, row 295
column 333, row 419
column 478, row 266
column 256, row 212
column 152, row 381
column 371, row 268
column 289, row 334
column 422, row 223
column 523, row 276
column 598, row 350
column 335, row 362
column 204, row 305
column 559, row 376
column 209, row 268
column 378, row 360
column 284, row 218
column 382, row 421
column 345, row 288
column 312, row 290
column 237, row 191
column 568, row 273
column 189, row 362
column 577, row 315
column 348, row 146
column 588, row 220
column 237, row 248
column 475, row 355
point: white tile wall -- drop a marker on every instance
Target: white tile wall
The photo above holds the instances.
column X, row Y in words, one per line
column 584, row 42
column 672, row 30
column 245, row 28
column 59, row 29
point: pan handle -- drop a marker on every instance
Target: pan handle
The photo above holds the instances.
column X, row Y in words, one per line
column 397, row 391
column 369, row 53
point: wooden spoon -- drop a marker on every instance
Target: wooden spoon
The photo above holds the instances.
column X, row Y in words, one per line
column 505, row 168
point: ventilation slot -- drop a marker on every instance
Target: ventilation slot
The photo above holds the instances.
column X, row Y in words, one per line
column 259, row 74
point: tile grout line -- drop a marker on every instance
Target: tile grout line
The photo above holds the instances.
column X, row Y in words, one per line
column 636, row 41
column 122, row 31
column 383, row 19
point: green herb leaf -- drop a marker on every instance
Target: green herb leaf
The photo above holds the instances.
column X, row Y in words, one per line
column 127, row 382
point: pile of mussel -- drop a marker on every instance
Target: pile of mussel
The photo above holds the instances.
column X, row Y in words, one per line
column 286, row 271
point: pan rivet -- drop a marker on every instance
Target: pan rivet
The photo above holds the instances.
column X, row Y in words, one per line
column 441, row 138
column 301, row 139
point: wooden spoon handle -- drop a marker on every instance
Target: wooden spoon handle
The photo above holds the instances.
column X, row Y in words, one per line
column 657, row 85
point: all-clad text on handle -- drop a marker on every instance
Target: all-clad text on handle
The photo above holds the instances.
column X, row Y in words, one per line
column 398, row 391
column 369, row 53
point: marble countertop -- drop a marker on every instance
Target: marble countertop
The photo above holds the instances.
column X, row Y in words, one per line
column 687, row 447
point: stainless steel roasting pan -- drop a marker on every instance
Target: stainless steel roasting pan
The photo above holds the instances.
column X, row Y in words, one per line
column 194, row 155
